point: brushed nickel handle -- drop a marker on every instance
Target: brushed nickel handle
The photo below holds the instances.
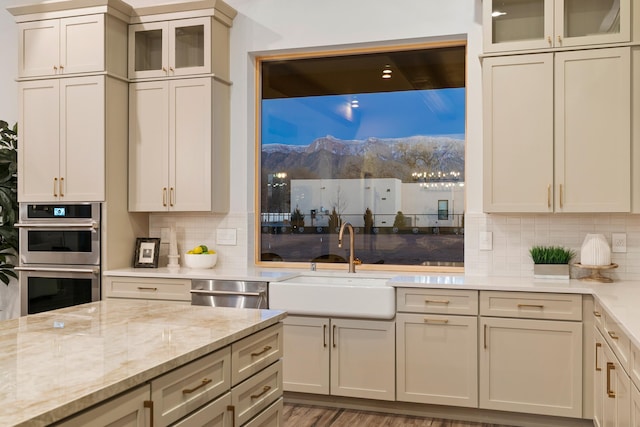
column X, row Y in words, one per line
column 264, row 350
column 427, row 320
column 610, row 367
column 264, row 390
column 598, row 345
column 145, row 288
column 55, row 187
column 597, row 314
column 333, row 336
column 437, row 301
column 172, row 196
column 61, row 186
column 149, row 404
column 540, row 306
column 324, row 335
column 613, row 335
column 164, row 196
column 202, row 384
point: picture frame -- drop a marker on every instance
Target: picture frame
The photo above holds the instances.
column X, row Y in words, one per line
column 147, row 252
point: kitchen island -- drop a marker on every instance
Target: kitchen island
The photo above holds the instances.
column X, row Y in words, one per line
column 59, row 363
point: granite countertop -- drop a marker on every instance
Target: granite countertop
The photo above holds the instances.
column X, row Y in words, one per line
column 57, row 363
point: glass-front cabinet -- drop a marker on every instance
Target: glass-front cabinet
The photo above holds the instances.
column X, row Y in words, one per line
column 511, row 25
column 170, row 48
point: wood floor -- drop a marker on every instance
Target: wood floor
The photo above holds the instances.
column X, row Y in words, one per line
column 313, row 416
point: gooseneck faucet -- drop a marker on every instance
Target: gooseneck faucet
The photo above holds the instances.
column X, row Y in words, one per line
column 352, row 258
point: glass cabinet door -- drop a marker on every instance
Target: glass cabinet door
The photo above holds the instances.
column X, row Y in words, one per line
column 147, row 50
column 582, row 22
column 190, row 46
column 517, row 24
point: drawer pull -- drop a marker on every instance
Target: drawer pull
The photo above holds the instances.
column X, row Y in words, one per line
column 427, row 320
column 597, row 314
column 149, row 405
column 613, row 335
column 202, row 384
column 598, row 345
column 437, row 301
column 264, row 390
column 540, row 306
column 610, row 367
column 266, row 348
column 144, row 288
column 324, row 335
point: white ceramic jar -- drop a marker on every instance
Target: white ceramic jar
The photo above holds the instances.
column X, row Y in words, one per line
column 595, row 250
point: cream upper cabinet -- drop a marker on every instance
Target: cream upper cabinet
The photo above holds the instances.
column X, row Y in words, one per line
column 62, row 125
column 557, row 132
column 360, row 354
column 515, row 25
column 178, row 145
column 170, row 48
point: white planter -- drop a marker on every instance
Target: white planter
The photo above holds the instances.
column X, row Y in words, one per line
column 551, row 271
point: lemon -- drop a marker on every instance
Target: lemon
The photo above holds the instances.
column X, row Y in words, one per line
column 197, row 250
column 189, row 251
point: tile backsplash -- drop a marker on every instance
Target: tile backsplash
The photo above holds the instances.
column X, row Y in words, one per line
column 513, row 235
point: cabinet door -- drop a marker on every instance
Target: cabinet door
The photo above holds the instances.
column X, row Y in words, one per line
column 518, row 133
column 363, row 359
column 190, row 46
column 437, row 359
column 148, row 50
column 635, row 406
column 82, row 44
column 82, row 139
column 598, row 379
column 39, row 48
column 39, row 126
column 580, row 23
column 617, row 391
column 592, row 135
column 306, row 354
column 531, row 366
column 190, row 144
column 148, row 146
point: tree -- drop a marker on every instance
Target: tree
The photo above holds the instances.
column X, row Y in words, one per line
column 334, row 220
column 368, row 220
column 297, row 219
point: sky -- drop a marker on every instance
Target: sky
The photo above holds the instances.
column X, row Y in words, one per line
column 299, row 121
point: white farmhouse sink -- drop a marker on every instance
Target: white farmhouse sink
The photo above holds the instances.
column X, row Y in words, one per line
column 345, row 295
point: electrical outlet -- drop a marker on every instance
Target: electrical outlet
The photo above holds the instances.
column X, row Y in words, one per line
column 486, row 241
column 618, row 242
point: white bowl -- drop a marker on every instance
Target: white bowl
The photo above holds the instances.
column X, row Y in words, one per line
column 200, row 260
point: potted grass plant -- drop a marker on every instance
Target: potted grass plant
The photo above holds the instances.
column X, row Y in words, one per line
column 551, row 262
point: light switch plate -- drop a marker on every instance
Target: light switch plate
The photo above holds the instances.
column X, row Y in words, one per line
column 226, row 236
column 486, row 241
column 619, row 242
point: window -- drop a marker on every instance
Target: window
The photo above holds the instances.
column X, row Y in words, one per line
column 375, row 139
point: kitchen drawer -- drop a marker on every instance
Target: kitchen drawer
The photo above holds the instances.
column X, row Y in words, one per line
column 598, row 315
column 183, row 390
column 258, row 392
column 214, row 414
column 147, row 288
column 270, row 417
column 255, row 352
column 618, row 340
column 438, row 301
column 531, row 305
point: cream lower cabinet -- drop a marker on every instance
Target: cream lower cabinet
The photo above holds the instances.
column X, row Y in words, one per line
column 178, row 145
column 635, row 406
column 340, row 357
column 527, row 364
column 543, row 149
column 62, row 138
column 436, row 356
column 147, row 288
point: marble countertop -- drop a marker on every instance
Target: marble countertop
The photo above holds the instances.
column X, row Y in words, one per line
column 56, row 363
column 248, row 273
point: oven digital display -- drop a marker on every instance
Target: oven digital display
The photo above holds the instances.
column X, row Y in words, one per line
column 59, row 211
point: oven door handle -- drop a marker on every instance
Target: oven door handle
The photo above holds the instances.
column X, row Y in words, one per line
column 93, row 225
column 94, row 270
column 237, row 293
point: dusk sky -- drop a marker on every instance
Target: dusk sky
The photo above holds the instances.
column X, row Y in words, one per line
column 299, row 121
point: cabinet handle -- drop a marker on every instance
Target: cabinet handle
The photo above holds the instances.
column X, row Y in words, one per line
column 55, row 187
column 549, row 196
column 324, row 335
column 172, row 196
column 233, row 414
column 540, row 306
column 266, row 348
column 437, row 301
column 559, row 40
column 597, row 314
column 143, row 288
column 613, row 335
column 149, row 404
column 561, row 197
column 202, row 384
column 264, row 390
column 333, row 336
column 61, row 186
column 427, row 320
column 549, row 40
column 485, row 336
column 61, row 68
column 171, row 69
column 55, row 68
column 164, row 196
column 164, row 69
column 610, row 367
column 598, row 345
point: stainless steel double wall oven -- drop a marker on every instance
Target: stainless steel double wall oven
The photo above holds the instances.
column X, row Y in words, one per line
column 59, row 255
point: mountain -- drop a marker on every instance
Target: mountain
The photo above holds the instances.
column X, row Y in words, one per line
column 330, row 157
